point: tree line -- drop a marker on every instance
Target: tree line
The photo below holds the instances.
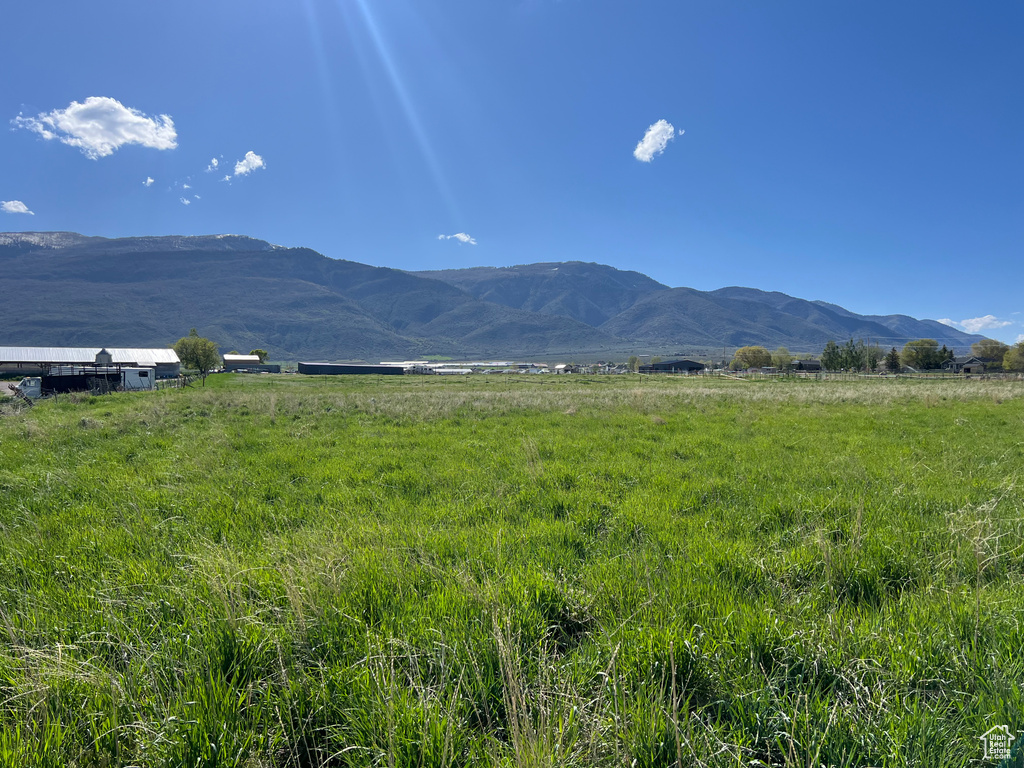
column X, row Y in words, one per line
column 919, row 354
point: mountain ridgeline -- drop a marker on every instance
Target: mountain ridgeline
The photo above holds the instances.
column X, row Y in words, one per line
column 61, row 288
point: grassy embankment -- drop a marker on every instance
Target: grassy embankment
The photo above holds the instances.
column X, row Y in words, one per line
column 574, row 571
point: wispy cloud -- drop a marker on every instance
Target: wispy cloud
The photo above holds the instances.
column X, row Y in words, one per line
column 186, row 201
column 214, row 163
column 15, row 206
column 462, row 237
column 1020, row 338
column 100, row 125
column 655, row 140
column 148, row 182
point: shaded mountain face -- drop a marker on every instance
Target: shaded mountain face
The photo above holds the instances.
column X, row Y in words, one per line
column 62, row 288
column 590, row 293
column 898, row 329
column 632, row 306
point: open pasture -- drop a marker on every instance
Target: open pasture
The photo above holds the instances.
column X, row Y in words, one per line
column 515, row 571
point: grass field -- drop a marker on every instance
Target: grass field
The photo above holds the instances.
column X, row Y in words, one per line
column 513, row 571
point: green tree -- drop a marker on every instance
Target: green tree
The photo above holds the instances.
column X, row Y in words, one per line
column 873, row 355
column 751, row 357
column 781, row 359
column 197, row 353
column 991, row 351
column 852, row 356
column 831, row 357
column 1013, row 360
column 633, row 363
column 892, row 361
column 262, row 354
column 922, row 354
column 655, row 359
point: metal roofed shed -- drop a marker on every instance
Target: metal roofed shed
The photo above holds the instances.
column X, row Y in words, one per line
column 243, row 359
column 339, row 369
column 40, row 359
column 249, row 364
column 673, row 366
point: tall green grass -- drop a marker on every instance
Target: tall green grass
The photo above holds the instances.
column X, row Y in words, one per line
column 363, row 571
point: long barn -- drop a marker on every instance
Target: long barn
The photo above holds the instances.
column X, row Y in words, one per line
column 33, row 361
column 339, row 369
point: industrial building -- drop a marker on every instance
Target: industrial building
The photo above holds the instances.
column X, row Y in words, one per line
column 673, row 366
column 39, row 361
column 338, row 369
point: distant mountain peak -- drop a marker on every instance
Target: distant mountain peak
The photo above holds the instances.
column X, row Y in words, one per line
column 44, row 239
column 55, row 240
column 245, row 292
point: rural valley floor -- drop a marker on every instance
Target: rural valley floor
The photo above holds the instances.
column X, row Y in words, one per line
column 514, row 571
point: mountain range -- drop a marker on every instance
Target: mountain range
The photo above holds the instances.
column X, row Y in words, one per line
column 62, row 288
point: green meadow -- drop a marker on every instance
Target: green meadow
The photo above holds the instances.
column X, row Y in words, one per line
column 513, row 571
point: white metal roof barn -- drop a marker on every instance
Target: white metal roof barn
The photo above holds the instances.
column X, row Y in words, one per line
column 164, row 360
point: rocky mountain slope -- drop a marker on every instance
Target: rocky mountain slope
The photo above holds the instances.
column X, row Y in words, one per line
column 62, row 288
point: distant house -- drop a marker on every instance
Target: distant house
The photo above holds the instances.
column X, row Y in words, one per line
column 970, row 364
column 673, row 366
column 813, row 366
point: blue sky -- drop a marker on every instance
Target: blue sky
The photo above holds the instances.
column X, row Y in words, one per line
column 865, row 153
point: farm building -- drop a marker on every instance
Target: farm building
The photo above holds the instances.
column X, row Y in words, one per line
column 32, row 361
column 339, row 369
column 234, row 362
column 250, row 363
column 806, row 365
column 673, row 366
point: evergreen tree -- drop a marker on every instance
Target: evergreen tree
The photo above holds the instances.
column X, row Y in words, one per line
column 831, row 357
column 892, row 361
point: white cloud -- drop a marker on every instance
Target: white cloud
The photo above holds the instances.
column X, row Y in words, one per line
column 100, row 125
column 148, row 182
column 462, row 237
column 214, row 162
column 14, row 206
column 655, row 140
column 186, row 186
column 249, row 163
column 1020, row 338
column 975, row 324
column 226, row 178
column 186, row 201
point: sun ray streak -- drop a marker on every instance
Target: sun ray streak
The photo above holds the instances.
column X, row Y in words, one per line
column 408, row 108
